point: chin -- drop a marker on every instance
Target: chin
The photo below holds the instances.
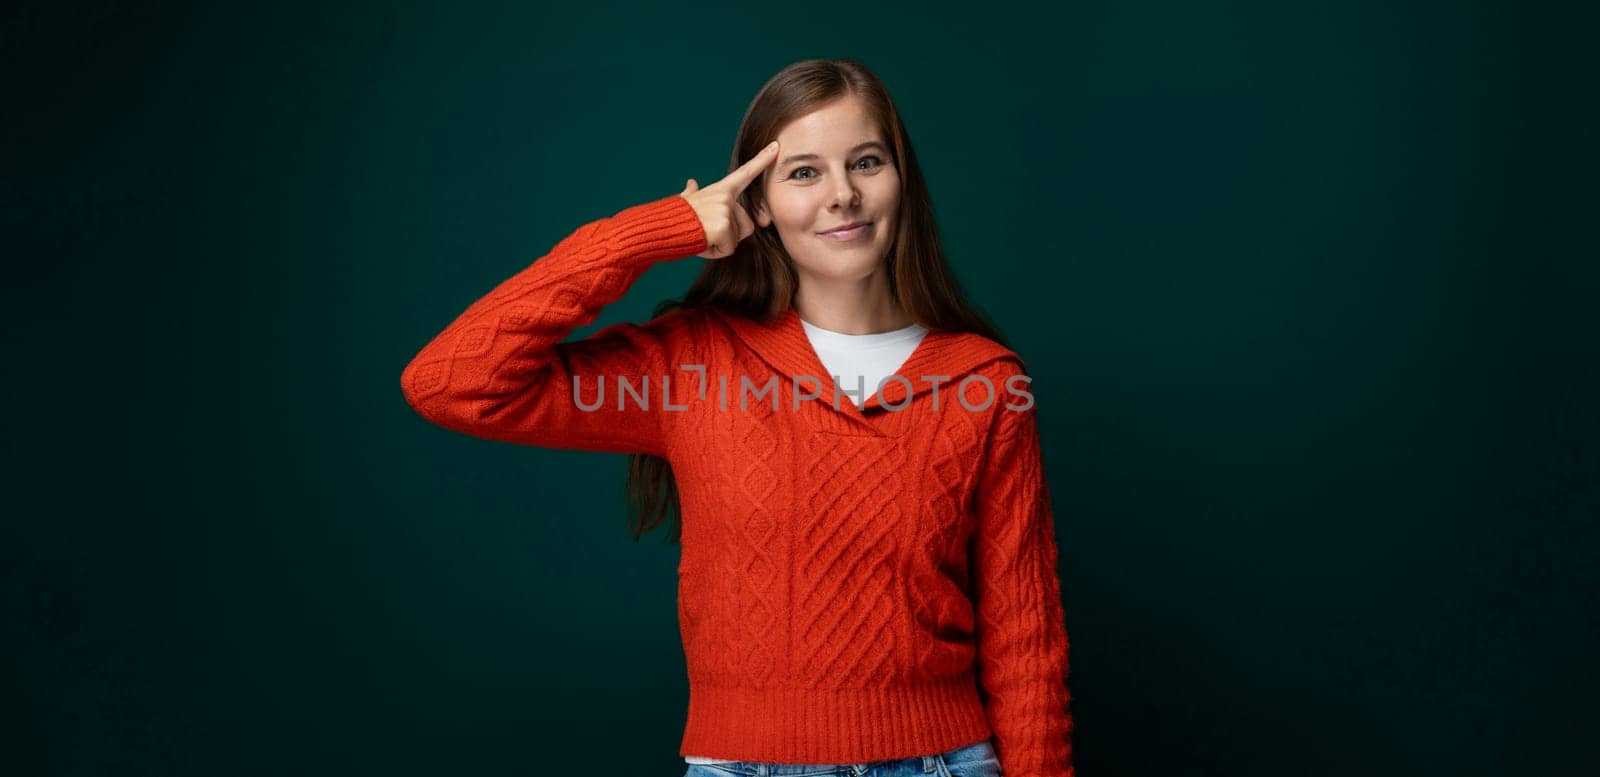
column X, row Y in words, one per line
column 835, row 269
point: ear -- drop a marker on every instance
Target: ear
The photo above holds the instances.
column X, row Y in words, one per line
column 763, row 217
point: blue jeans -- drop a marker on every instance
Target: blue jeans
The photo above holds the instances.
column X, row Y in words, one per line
column 975, row 760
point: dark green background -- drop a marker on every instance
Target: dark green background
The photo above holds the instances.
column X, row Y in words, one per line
column 1302, row 287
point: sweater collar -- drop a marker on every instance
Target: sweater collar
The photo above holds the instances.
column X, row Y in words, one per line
column 948, row 356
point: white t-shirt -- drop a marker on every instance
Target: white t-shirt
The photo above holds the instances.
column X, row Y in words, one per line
column 855, row 361
column 859, row 362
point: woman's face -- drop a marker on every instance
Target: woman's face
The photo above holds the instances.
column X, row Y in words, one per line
column 834, row 168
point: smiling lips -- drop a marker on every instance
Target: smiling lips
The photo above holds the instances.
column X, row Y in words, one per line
column 848, row 232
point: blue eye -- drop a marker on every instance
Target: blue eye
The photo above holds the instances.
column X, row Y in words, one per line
column 795, row 174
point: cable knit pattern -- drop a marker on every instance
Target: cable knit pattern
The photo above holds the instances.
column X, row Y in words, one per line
column 499, row 371
column 856, row 583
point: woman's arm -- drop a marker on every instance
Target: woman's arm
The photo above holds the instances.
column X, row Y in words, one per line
column 499, row 371
column 1021, row 630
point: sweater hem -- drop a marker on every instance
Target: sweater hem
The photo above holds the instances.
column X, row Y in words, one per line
column 830, row 726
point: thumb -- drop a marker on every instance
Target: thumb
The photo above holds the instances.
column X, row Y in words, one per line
column 690, row 187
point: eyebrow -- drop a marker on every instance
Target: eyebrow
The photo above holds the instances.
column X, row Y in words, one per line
column 801, row 157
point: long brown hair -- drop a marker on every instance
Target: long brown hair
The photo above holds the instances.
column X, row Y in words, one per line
column 758, row 280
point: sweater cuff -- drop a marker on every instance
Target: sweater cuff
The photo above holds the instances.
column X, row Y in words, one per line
column 657, row 231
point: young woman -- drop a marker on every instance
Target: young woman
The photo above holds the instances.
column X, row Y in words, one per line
column 868, row 580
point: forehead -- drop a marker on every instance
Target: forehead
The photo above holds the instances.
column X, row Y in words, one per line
column 833, row 128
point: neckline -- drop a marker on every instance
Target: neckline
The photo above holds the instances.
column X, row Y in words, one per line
column 828, row 337
column 831, row 393
column 782, row 343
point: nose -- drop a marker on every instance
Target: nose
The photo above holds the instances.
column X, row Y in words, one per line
column 846, row 195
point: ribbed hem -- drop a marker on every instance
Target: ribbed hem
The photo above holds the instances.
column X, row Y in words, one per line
column 656, row 231
column 833, row 725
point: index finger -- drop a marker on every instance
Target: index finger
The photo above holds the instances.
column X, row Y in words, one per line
column 747, row 172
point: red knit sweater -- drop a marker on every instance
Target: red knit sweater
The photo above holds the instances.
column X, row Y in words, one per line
column 856, row 583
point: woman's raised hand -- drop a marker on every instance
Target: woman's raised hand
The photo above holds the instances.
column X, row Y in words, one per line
column 725, row 220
